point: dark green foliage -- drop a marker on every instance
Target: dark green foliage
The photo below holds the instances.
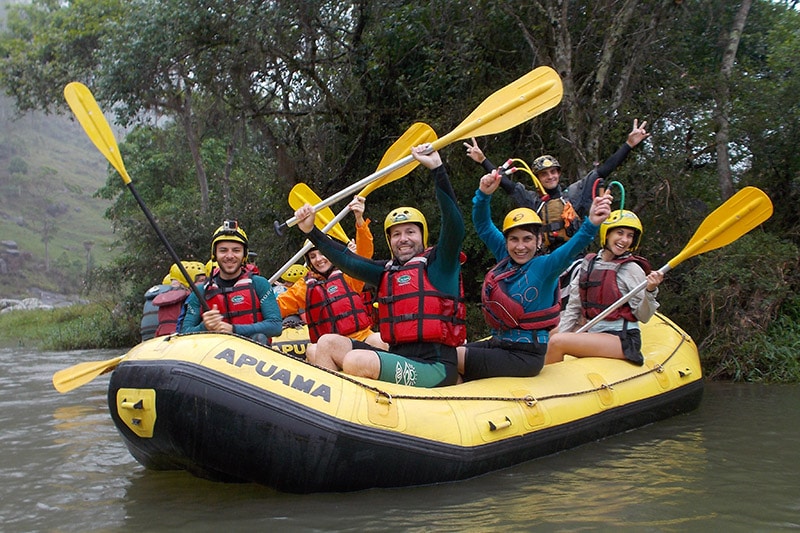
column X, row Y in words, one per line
column 768, row 357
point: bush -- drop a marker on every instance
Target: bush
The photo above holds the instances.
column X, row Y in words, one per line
column 769, row 357
column 729, row 301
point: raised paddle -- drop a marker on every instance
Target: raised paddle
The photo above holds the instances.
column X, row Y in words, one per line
column 91, row 118
column 73, row 377
column 302, row 194
column 521, row 100
column 739, row 214
column 89, row 115
column 418, row 133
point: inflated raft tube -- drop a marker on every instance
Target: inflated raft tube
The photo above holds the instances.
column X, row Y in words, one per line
column 228, row 409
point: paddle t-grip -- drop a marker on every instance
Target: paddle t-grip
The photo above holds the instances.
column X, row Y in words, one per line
column 279, row 227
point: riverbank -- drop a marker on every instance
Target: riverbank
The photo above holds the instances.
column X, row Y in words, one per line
column 56, row 325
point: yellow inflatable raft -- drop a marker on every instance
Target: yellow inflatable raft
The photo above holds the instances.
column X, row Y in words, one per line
column 225, row 408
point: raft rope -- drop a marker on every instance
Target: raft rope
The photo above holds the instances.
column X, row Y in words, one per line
column 528, row 400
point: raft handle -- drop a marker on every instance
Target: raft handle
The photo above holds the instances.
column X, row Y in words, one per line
column 129, row 405
column 500, row 425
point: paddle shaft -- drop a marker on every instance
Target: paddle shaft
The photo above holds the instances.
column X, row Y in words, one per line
column 335, row 220
column 348, row 191
column 167, row 245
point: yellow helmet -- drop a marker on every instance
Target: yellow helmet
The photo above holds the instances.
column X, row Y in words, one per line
column 404, row 215
column 194, row 269
column 229, row 231
column 294, row 273
column 622, row 219
column 544, row 161
column 166, row 280
column 209, row 267
column 175, row 273
column 521, row 216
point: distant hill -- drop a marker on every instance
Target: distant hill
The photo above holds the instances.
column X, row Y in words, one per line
column 49, row 171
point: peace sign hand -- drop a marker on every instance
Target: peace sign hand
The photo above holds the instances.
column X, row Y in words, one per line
column 474, row 152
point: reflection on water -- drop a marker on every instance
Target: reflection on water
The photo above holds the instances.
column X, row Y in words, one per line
column 731, row 464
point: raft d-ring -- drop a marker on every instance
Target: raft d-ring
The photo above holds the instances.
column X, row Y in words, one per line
column 387, row 396
column 659, row 368
column 124, row 404
column 530, row 401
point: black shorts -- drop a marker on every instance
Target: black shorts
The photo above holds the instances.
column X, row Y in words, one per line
column 631, row 344
column 495, row 358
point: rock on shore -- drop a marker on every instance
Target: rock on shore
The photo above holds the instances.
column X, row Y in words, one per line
column 46, row 300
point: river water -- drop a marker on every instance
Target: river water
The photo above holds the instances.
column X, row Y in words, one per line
column 733, row 464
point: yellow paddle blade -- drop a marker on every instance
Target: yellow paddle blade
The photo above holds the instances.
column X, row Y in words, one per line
column 88, row 113
column 75, row 376
column 302, row 194
column 517, row 102
column 739, row 214
column 418, row 133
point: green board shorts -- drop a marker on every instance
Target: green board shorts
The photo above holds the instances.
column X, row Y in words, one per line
column 398, row 369
column 405, row 370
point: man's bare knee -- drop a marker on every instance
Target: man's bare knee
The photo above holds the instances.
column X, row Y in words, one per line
column 362, row 363
column 331, row 349
column 311, row 353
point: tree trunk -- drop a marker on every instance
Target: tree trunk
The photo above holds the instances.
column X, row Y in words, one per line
column 722, row 97
column 185, row 114
column 592, row 99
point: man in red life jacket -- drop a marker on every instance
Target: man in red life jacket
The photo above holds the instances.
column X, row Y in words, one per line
column 421, row 313
column 239, row 302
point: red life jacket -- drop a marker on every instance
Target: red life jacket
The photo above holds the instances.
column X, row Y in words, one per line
column 598, row 286
column 412, row 310
column 169, row 305
column 371, row 302
column 333, row 307
column 238, row 304
column 503, row 312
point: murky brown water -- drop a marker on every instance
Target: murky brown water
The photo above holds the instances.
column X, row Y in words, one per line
column 733, row 464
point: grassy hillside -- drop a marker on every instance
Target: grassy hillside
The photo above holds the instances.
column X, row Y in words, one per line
column 49, row 171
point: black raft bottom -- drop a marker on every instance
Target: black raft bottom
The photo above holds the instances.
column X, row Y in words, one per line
column 221, row 429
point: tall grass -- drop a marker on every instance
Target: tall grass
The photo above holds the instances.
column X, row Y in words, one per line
column 94, row 325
